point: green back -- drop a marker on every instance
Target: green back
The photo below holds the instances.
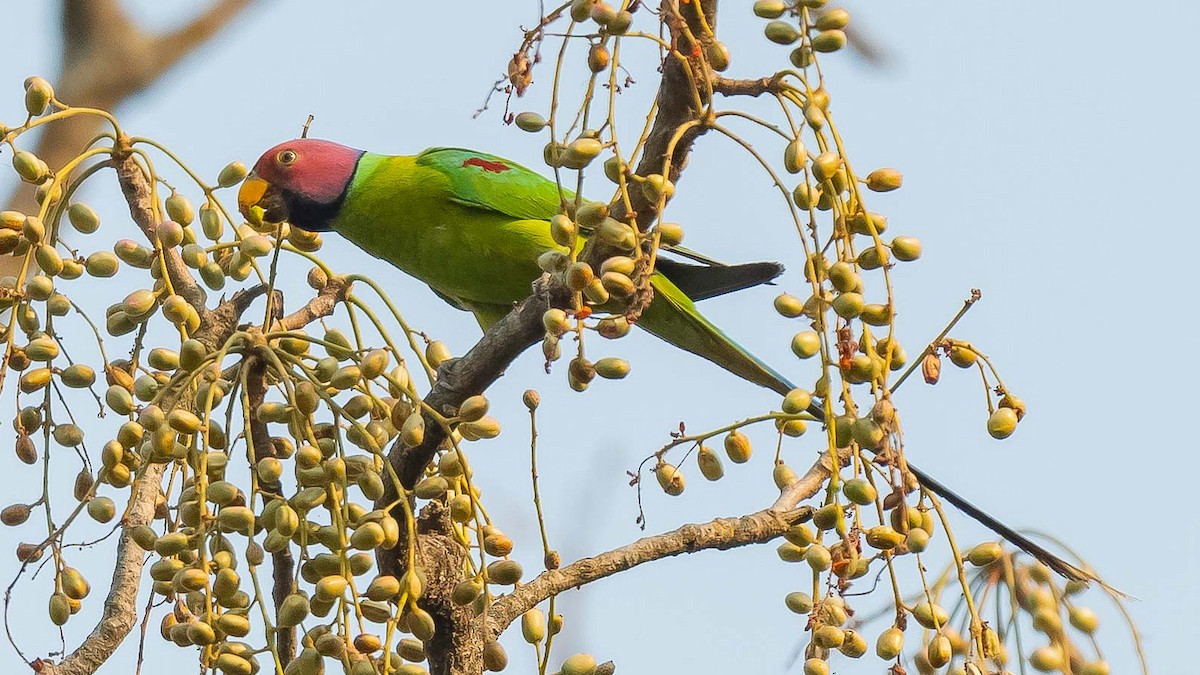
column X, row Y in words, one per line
column 472, row 225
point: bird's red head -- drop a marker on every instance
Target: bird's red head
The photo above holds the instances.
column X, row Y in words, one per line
column 302, row 181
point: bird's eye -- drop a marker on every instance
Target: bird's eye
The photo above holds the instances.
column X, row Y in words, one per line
column 286, row 157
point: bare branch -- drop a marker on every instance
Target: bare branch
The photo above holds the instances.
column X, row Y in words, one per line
column 720, row 534
column 320, row 305
column 282, row 563
column 136, row 187
column 731, row 87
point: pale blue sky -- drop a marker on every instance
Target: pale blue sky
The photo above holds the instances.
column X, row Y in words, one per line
column 1048, row 152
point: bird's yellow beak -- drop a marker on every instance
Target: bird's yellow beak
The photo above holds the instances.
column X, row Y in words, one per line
column 251, row 193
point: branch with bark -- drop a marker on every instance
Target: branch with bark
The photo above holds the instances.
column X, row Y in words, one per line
column 720, row 534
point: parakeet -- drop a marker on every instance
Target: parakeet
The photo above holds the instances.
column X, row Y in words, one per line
column 472, row 226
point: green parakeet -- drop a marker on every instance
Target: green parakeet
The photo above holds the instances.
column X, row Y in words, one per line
column 472, row 226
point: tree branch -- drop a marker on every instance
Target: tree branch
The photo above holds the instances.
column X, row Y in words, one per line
column 135, row 185
column 720, row 534
column 320, row 305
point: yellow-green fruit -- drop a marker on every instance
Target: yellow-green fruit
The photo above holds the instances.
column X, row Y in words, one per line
column 889, row 644
column 232, row 664
column 581, row 152
column 68, row 435
column 982, row 555
column 709, row 463
column 612, row 368
column 60, row 609
column 48, row 259
column 211, row 222
column 670, row 478
column 800, row 534
column 657, row 187
column 530, row 121
column 179, row 209
column 38, row 94
column 474, row 408
column 579, row 664
column 737, row 447
column 73, row 583
column 669, row 234
column 784, row 476
column 29, row 167
column 939, row 651
column 917, row 540
column 867, row 433
column 884, row 180
column 860, row 491
column 769, row 9
column 795, row 156
column 505, row 572
column 331, row 587
column 1094, row 668
column 236, row 518
column 1084, row 619
column 563, row 230
column 832, row 18
column 963, row 356
column 930, row 615
column 789, row 305
column 78, row 376
column 495, row 658
column 818, row 557
column 717, row 54
column 101, row 509
column 806, row 343
column 412, row 433
column 825, row 165
column 848, row 305
column 1047, row 659
column 789, row 552
column 828, row 637
column 1002, row 423
column 382, row 588
column 829, row 517
column 800, row 603
column 854, row 644
column 781, row 32
column 829, row 41
column 465, row 592
column 533, row 626
column 872, row 258
column 815, row 666
column 42, row 348
column 437, row 353
column 293, row 610
column 421, row 624
column 35, row 379
column 232, row 174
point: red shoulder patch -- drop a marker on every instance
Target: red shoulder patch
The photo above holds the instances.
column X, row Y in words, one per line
column 494, row 167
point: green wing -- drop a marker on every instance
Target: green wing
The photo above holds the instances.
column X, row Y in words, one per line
column 482, row 181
